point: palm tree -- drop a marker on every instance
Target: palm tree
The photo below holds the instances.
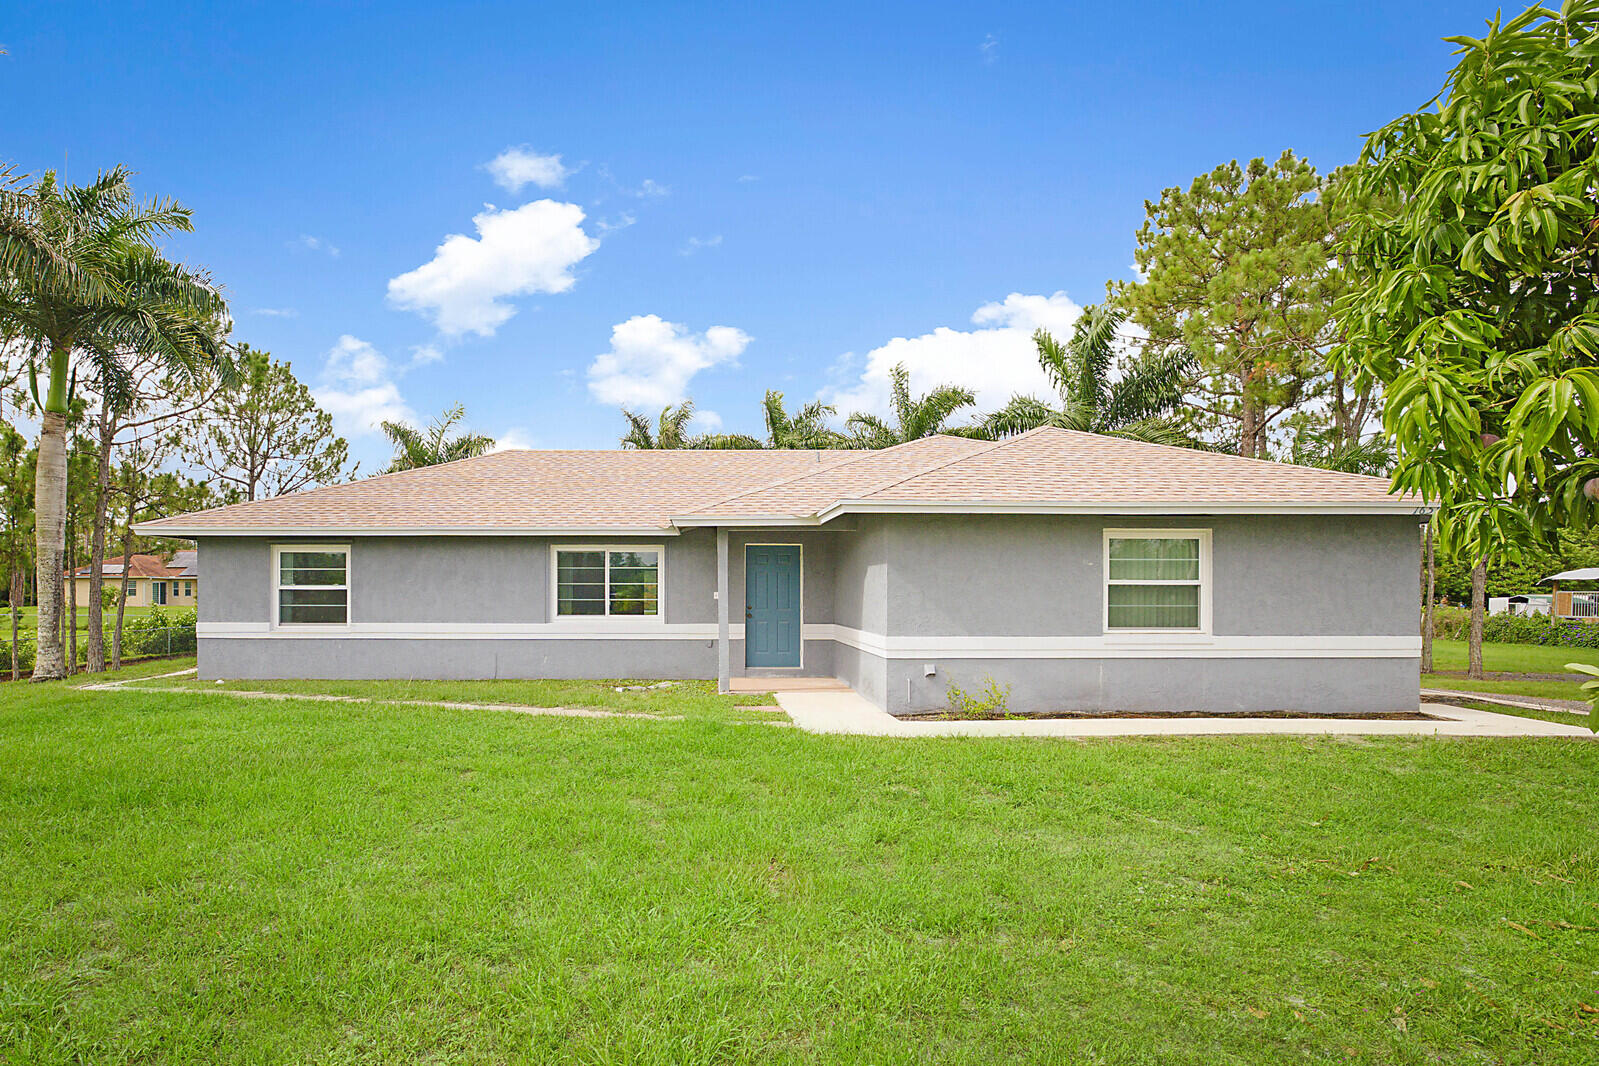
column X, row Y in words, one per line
column 671, row 432
column 1139, row 406
column 805, row 428
column 915, row 417
column 414, row 448
column 82, row 282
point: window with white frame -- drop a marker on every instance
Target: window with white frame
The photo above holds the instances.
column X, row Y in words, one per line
column 1157, row 579
column 313, row 584
column 604, row 581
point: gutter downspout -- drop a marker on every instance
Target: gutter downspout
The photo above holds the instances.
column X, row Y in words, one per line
column 724, row 669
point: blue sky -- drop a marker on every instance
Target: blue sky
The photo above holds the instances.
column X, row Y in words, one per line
column 784, row 196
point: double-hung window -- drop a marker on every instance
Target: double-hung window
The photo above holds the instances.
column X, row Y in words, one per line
column 312, row 584
column 1157, row 580
column 604, row 581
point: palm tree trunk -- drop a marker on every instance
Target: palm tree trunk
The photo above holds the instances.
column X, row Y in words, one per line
column 1428, row 577
column 1479, row 605
column 50, row 516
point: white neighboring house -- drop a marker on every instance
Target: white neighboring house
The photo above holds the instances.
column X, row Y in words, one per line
column 1583, row 606
column 1530, row 603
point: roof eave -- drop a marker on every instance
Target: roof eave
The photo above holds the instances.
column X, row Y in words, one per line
column 151, row 529
column 1194, row 507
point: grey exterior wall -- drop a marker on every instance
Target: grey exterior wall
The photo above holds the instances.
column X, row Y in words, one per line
column 1029, row 576
column 433, row 580
column 878, row 578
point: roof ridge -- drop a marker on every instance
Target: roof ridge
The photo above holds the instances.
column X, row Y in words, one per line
column 992, row 446
column 862, row 455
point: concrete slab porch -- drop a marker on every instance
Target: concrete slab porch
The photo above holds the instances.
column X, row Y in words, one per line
column 788, row 684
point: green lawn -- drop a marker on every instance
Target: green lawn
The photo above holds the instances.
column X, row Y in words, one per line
column 1511, row 658
column 29, row 617
column 201, row 878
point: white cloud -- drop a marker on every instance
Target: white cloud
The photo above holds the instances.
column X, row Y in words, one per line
column 277, row 312
column 706, row 422
column 513, row 439
column 423, row 354
column 651, row 189
column 994, row 361
column 464, row 287
column 358, row 389
column 989, row 49
column 623, row 220
column 695, row 244
column 746, row 178
column 516, row 167
column 651, row 361
column 314, row 244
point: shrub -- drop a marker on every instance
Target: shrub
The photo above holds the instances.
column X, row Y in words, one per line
column 24, row 656
column 1454, row 623
column 157, row 633
column 993, row 700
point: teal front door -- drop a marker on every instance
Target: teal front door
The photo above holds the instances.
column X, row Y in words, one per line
column 772, row 605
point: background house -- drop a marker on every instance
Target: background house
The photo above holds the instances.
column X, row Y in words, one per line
column 151, row 580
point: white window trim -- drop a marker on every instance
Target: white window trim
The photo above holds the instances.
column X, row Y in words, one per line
column 746, row 580
column 1205, row 583
column 607, row 619
column 278, row 586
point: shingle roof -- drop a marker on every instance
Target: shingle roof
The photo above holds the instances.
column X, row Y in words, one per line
column 616, row 491
column 140, row 566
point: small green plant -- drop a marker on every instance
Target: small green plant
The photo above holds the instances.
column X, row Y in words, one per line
column 993, row 701
column 1591, row 689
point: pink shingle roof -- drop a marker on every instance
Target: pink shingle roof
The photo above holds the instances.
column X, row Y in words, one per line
column 519, row 491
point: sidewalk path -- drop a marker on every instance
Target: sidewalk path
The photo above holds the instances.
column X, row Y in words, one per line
column 848, row 712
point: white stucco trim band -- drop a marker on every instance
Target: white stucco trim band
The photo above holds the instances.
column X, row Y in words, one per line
column 1111, row 646
column 1185, row 646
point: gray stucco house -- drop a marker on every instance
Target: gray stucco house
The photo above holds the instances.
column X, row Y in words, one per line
column 1087, row 572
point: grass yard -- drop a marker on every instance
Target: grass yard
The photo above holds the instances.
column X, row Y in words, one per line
column 201, row 878
column 1510, row 658
column 29, row 618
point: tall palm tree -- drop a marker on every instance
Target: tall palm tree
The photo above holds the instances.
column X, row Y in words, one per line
column 671, row 432
column 915, row 417
column 81, row 280
column 806, row 428
column 415, row 448
column 1139, row 406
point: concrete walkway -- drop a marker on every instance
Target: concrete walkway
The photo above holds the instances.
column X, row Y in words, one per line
column 848, row 712
column 131, row 684
column 1536, row 703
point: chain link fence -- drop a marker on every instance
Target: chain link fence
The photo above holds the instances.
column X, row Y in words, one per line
column 145, row 636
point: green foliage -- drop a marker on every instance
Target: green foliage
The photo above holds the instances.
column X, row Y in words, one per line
column 1237, row 269
column 671, row 431
column 415, row 448
column 1477, row 308
column 1138, row 404
column 159, row 633
column 805, row 428
column 993, row 701
column 1513, row 575
column 915, row 417
column 1592, row 690
column 265, row 435
column 1454, row 623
